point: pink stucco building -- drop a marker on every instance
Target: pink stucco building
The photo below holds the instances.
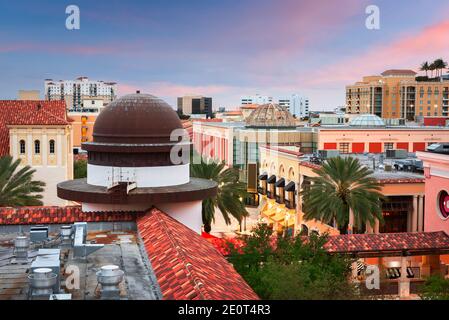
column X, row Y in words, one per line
column 436, row 171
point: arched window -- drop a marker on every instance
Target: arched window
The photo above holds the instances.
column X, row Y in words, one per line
column 22, row 147
column 37, row 147
column 52, row 146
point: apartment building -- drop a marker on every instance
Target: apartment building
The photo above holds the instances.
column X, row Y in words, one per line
column 296, row 104
column 399, row 94
column 81, row 93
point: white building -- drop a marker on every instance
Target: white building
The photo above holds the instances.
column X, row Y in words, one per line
column 77, row 92
column 296, row 104
column 257, row 99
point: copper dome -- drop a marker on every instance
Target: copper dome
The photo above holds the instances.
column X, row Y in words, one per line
column 136, row 119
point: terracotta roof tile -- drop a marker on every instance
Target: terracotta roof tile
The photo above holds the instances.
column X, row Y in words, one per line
column 19, row 112
column 57, row 215
column 187, row 266
column 387, row 242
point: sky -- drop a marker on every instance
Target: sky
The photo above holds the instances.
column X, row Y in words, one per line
column 223, row 49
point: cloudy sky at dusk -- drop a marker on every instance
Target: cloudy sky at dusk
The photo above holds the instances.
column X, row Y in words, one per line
column 223, row 49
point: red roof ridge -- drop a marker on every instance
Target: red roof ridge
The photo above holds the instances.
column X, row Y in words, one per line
column 186, row 265
column 190, row 271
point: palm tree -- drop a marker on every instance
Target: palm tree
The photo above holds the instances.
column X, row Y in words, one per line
column 18, row 188
column 440, row 64
column 425, row 67
column 432, row 67
column 230, row 195
column 345, row 192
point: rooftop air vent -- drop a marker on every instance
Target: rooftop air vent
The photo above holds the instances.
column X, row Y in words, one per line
column 42, row 281
column 66, row 235
column 110, row 277
column 21, row 245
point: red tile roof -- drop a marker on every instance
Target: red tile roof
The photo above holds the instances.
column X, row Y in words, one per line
column 19, row 112
column 406, row 241
column 398, row 72
column 187, row 266
column 50, row 215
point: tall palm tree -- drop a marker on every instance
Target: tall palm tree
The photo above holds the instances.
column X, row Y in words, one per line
column 440, row 64
column 17, row 188
column 230, row 195
column 425, row 67
column 345, row 192
column 432, row 67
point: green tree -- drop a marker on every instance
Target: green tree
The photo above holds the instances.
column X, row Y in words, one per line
column 230, row 194
column 345, row 192
column 435, row 288
column 292, row 267
column 440, row 64
column 425, row 67
column 17, row 187
column 80, row 169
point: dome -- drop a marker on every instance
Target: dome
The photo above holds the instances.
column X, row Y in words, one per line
column 367, row 121
column 136, row 119
column 271, row 115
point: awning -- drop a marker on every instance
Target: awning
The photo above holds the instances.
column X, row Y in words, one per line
column 280, row 183
column 290, row 186
column 263, row 176
column 272, row 179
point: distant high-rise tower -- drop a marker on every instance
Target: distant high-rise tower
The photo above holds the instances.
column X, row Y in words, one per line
column 257, row 99
column 79, row 94
column 296, row 104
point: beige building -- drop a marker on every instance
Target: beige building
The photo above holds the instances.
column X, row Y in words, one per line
column 28, row 95
column 397, row 94
column 40, row 137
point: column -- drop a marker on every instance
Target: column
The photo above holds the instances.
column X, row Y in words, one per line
column 369, row 229
column 404, row 282
column 420, row 213
column 30, row 149
column 414, row 215
column 59, row 149
column 44, row 147
column 377, row 226
column 354, row 270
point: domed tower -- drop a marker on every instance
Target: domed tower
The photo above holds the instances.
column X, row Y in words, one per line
column 139, row 158
column 270, row 115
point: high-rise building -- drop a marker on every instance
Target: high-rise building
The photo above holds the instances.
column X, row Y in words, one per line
column 296, row 104
column 399, row 94
column 256, row 99
column 189, row 105
column 79, row 94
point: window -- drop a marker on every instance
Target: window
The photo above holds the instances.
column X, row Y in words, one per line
column 37, row 147
column 22, row 146
column 388, row 146
column 52, row 146
column 344, row 147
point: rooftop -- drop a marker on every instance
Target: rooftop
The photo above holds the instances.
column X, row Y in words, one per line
column 30, row 112
column 377, row 165
column 413, row 243
column 398, row 72
column 161, row 258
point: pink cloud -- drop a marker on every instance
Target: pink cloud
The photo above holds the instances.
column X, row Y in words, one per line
column 168, row 89
column 406, row 52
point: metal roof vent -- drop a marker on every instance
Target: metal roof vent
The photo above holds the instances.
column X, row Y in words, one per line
column 42, row 281
column 66, row 235
column 110, row 277
column 21, row 245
